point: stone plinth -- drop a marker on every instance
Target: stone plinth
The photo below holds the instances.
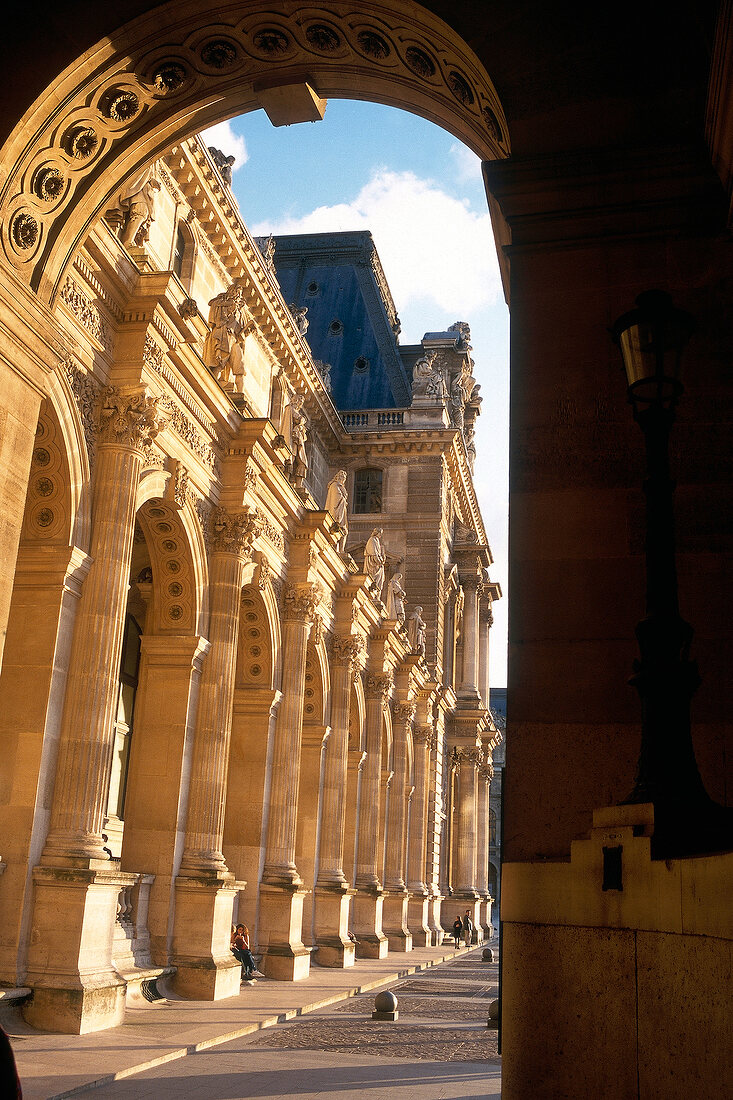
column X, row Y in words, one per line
column 417, row 919
column 367, row 912
column 284, row 956
column 76, row 989
column 333, row 904
column 206, row 969
column 396, row 929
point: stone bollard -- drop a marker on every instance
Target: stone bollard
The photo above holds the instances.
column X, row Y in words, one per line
column 494, row 1014
column 487, row 955
column 385, row 1006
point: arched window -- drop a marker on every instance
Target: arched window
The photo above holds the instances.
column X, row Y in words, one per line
column 184, row 254
column 368, row 490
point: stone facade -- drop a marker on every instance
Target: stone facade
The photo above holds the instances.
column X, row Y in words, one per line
column 226, row 721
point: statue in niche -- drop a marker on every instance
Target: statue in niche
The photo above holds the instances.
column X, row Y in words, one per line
column 395, row 599
column 427, row 379
column 298, row 438
column 470, row 446
column 416, row 628
column 230, row 322
column 337, row 503
column 374, row 559
column 300, row 316
column 135, row 207
column 460, row 598
column 225, row 165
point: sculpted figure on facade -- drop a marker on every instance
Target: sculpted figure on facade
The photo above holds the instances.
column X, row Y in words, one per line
column 395, row 599
column 428, row 382
column 300, row 316
column 298, row 438
column 374, row 559
column 416, row 628
column 337, row 503
column 135, row 205
column 230, row 322
column 225, row 165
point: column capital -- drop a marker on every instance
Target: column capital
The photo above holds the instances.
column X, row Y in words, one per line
column 403, row 711
column 378, row 686
column 470, row 581
column 300, row 602
column 233, row 532
column 425, row 735
column 128, row 417
column 486, row 772
column 472, row 757
column 346, row 649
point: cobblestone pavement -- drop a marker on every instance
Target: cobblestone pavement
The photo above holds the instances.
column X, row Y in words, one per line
column 440, row 1048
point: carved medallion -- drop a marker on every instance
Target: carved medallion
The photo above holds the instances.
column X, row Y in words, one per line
column 271, row 41
column 219, row 54
column 322, row 37
column 420, row 62
column 461, row 88
column 24, row 231
column 48, row 184
column 122, row 106
column 80, row 142
column 169, row 77
column 373, row 45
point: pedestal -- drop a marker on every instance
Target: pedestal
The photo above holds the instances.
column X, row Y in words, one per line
column 333, row 904
column 206, row 969
column 396, row 929
column 76, row 989
column 417, row 920
column 284, row 956
column 366, row 924
column 435, row 904
column 486, row 903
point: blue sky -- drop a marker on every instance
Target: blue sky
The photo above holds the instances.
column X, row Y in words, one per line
column 419, row 191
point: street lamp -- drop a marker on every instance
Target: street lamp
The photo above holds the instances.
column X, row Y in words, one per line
column 652, row 338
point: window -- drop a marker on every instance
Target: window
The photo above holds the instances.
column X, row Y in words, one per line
column 361, row 364
column 335, row 328
column 492, row 827
column 368, row 491
column 179, row 252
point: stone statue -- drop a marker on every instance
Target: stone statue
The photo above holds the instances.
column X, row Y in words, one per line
column 464, row 334
column 298, row 437
column 324, row 369
column 136, row 205
column 395, row 599
column 470, row 446
column 374, row 559
column 427, row 379
column 300, row 316
column 337, row 503
column 225, row 165
column 229, row 323
column 416, row 627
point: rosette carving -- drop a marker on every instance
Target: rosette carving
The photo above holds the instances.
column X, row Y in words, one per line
column 128, row 418
column 300, row 602
column 233, row 533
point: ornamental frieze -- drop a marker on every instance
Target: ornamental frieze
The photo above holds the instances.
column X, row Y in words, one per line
column 86, row 393
column 86, row 312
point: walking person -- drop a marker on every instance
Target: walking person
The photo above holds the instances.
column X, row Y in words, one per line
column 467, row 928
column 457, row 931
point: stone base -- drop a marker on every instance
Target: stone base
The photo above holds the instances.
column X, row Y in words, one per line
column 417, row 919
column 435, row 903
column 206, row 970
column 473, row 903
column 333, row 904
column 366, row 921
column 284, row 955
column 76, row 989
column 485, row 918
column 396, row 930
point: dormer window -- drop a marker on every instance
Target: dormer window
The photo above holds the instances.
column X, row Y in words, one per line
column 335, row 328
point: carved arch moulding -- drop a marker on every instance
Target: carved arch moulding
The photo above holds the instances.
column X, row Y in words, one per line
column 184, row 67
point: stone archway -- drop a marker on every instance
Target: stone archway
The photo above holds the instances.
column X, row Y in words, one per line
column 184, row 67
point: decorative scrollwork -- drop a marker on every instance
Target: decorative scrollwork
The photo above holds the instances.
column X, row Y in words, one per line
column 420, row 62
column 461, row 88
column 346, row 649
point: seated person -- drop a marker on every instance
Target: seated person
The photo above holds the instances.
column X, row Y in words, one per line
column 241, row 951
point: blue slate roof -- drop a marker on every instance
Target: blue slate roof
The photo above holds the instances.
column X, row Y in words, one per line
column 351, row 320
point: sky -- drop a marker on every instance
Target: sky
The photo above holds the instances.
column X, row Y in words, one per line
column 420, row 193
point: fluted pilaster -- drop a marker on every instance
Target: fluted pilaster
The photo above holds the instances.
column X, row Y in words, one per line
column 377, row 689
column 345, row 652
column 466, row 827
column 299, row 611
column 394, row 870
column 423, row 738
column 469, row 673
column 127, row 419
column 231, row 545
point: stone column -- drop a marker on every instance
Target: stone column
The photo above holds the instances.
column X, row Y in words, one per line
column 332, row 890
column 466, row 829
column 486, row 619
column 70, row 968
column 368, row 901
column 422, row 739
column 205, row 888
column 281, row 891
column 396, row 894
column 469, row 672
column 485, row 774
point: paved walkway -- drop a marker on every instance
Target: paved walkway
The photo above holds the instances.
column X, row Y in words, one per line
column 440, row 1047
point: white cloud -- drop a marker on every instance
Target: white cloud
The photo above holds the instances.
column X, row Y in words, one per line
column 434, row 248
column 223, row 137
column 467, row 164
